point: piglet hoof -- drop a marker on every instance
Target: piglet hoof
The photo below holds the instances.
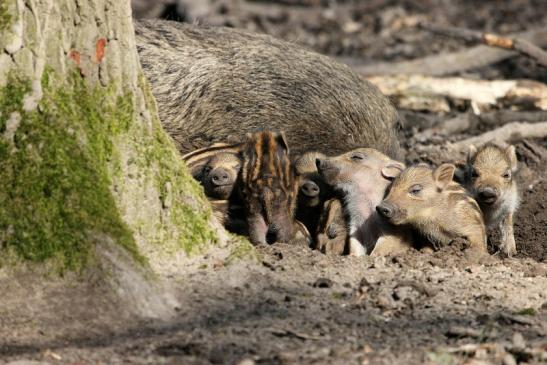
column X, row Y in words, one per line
column 508, row 249
column 356, row 248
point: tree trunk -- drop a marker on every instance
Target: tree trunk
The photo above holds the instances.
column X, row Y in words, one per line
column 87, row 173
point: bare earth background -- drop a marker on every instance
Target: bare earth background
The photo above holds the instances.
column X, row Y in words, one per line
column 296, row 306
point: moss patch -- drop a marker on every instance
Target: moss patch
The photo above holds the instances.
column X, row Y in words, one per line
column 527, row 312
column 56, row 198
column 5, row 16
column 188, row 222
column 242, row 249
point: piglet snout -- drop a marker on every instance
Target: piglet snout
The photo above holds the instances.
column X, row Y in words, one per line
column 220, row 177
column 386, row 210
column 487, row 195
column 310, row 189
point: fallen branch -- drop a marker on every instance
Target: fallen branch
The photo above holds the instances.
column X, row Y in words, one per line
column 511, row 43
column 469, row 121
column 406, row 89
column 509, row 133
column 502, row 117
column 450, row 63
column 450, row 126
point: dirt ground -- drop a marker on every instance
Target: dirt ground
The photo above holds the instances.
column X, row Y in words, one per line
column 297, row 306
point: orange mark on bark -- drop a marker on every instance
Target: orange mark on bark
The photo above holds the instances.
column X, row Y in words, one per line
column 100, row 49
column 75, row 55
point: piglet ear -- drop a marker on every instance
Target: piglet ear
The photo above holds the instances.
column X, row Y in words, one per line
column 197, row 167
column 443, row 175
column 471, row 152
column 392, row 170
column 459, row 173
column 282, row 141
column 512, row 155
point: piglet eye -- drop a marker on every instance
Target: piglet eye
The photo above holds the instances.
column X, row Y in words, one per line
column 474, row 173
column 506, row 175
column 357, row 157
column 415, row 189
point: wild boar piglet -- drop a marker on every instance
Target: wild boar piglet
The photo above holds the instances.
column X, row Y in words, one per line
column 216, row 168
column 332, row 231
column 490, row 178
column 312, row 190
column 440, row 209
column 361, row 177
column 268, row 188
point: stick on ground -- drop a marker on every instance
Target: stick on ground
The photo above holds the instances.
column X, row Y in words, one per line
column 510, row 43
column 413, row 91
column 511, row 132
column 449, row 63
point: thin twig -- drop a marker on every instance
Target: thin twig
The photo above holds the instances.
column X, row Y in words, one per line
column 493, row 40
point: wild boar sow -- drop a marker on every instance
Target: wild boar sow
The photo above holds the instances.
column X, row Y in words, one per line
column 216, row 84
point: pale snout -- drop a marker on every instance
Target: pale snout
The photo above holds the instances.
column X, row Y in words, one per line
column 328, row 170
column 391, row 212
column 261, row 232
column 487, row 194
column 386, row 210
column 220, row 177
column 310, row 189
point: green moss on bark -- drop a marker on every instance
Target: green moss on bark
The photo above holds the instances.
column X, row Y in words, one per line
column 5, row 16
column 55, row 199
column 63, row 179
column 190, row 218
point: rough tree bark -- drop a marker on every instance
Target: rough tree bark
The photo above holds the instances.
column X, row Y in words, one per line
column 88, row 175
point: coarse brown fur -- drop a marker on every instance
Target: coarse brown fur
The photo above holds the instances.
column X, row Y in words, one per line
column 312, row 190
column 437, row 207
column 490, row 178
column 268, row 188
column 213, row 83
column 331, row 235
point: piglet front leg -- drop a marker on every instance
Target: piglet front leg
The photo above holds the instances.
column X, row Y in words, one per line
column 507, row 244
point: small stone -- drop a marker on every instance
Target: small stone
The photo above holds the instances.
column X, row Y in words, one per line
column 405, row 293
column 351, row 27
column 460, row 332
column 246, row 362
column 518, row 341
column 508, row 359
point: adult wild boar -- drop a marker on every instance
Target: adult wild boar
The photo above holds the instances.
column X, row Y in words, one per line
column 215, row 84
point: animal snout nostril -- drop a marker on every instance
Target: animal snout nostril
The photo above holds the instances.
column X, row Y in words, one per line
column 318, row 163
column 310, row 189
column 487, row 194
column 220, row 177
column 271, row 235
column 384, row 210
